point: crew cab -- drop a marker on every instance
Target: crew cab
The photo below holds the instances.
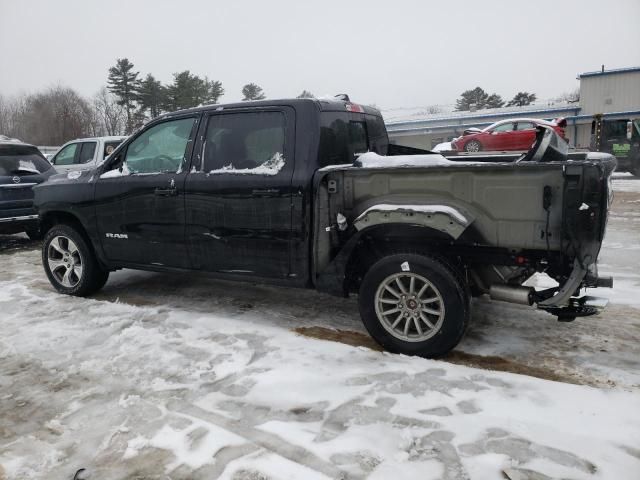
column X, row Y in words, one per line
column 84, row 153
column 309, row 193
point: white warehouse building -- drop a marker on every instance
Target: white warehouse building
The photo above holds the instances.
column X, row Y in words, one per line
column 613, row 93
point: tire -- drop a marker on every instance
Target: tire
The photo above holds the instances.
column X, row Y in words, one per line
column 70, row 263
column 473, row 146
column 635, row 169
column 434, row 327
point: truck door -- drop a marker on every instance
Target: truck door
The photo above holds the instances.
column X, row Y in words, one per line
column 140, row 197
column 239, row 193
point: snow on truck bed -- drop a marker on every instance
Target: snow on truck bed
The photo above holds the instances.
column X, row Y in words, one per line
column 373, row 160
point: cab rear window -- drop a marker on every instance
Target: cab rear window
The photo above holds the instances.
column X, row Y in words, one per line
column 21, row 160
column 344, row 136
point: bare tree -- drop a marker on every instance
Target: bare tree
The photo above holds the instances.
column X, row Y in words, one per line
column 570, row 97
column 10, row 110
column 112, row 116
column 51, row 117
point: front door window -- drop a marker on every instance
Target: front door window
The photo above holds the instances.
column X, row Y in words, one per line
column 161, row 149
column 67, row 155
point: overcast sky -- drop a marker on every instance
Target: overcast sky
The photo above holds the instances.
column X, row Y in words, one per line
column 390, row 53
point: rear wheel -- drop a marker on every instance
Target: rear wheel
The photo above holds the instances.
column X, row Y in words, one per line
column 70, row 263
column 414, row 304
column 635, row 169
column 473, row 146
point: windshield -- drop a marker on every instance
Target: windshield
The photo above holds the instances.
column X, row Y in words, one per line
column 21, row 160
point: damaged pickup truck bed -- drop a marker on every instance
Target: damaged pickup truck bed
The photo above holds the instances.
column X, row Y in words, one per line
column 283, row 192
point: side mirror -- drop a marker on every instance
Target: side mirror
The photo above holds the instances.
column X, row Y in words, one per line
column 629, row 130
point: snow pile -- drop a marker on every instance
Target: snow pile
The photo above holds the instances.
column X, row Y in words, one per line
column 443, row 147
column 271, row 167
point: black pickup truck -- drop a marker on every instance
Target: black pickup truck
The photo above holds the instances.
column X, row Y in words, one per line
column 309, row 193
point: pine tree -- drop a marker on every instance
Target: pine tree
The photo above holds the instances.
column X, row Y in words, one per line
column 251, row 91
column 188, row 90
column 494, row 101
column 521, row 99
column 123, row 82
column 306, row 94
column 215, row 90
column 476, row 97
column 152, row 96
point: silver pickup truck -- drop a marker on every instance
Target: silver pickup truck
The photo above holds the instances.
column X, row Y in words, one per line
column 84, row 153
column 309, row 193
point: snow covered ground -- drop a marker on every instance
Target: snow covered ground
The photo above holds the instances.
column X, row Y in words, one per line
column 186, row 377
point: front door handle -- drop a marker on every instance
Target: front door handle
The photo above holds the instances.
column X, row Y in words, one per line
column 166, row 192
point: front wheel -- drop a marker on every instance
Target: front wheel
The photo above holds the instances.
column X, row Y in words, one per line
column 70, row 263
column 473, row 146
column 414, row 304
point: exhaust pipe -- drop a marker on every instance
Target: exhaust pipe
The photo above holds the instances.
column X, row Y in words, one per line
column 512, row 294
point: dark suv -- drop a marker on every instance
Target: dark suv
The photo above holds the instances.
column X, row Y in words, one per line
column 21, row 167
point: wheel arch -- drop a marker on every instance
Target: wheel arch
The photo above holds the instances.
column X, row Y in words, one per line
column 52, row 218
column 345, row 272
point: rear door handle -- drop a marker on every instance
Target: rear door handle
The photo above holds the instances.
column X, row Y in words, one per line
column 166, row 192
column 265, row 191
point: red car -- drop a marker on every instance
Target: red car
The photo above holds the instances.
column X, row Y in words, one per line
column 518, row 134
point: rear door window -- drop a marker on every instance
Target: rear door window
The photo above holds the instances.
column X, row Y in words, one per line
column 525, row 126
column 87, row 152
column 245, row 143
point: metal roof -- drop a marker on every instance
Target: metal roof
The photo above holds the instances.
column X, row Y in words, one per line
column 429, row 123
column 613, row 71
